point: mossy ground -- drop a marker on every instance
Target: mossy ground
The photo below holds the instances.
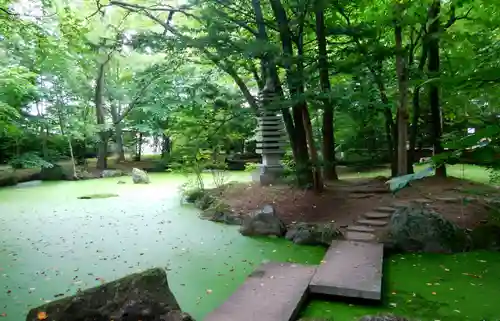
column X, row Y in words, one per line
column 429, row 287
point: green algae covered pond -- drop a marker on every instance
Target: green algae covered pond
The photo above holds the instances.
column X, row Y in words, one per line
column 52, row 244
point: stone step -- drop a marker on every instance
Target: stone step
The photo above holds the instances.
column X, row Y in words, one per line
column 385, row 209
column 273, row 292
column 376, row 215
column 350, row 269
column 400, row 204
column 422, row 201
column 360, row 236
column 372, row 222
column 449, row 199
column 360, row 228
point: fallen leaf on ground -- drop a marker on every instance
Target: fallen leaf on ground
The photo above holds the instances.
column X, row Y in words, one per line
column 42, row 315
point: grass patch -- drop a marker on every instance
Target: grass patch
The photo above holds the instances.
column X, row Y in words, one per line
column 473, row 173
column 429, row 287
column 97, row 196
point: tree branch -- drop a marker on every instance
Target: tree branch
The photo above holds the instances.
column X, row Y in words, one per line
column 190, row 42
column 454, row 18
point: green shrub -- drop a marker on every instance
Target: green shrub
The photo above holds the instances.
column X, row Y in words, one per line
column 250, row 167
column 204, row 202
column 192, row 195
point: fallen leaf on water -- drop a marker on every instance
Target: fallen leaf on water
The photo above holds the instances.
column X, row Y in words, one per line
column 472, row 275
column 434, row 293
column 3, row 315
column 209, row 291
column 42, row 315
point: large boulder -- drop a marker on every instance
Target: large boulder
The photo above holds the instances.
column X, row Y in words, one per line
column 263, row 222
column 8, row 180
column 140, row 176
column 313, row 234
column 221, row 213
column 486, row 237
column 54, row 173
column 416, row 228
column 141, row 296
column 112, row 173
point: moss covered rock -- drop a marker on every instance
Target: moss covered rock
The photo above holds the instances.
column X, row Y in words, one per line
column 141, row 296
column 486, row 237
column 313, row 234
column 221, row 213
column 417, row 228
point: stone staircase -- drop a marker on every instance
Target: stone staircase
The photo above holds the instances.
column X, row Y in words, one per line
column 351, row 268
column 365, row 228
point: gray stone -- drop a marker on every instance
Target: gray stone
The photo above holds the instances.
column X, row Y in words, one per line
column 486, row 237
column 376, row 215
column 360, row 228
column 372, row 222
column 274, row 292
column 140, row 296
column 54, row 173
column 350, row 269
column 112, row 173
column 313, row 234
column 419, row 229
column 263, row 222
column 221, row 213
column 400, row 204
column 139, row 176
column 360, row 236
column 385, row 209
column 449, row 199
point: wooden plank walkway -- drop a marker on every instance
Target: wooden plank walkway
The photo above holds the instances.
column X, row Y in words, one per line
column 350, row 269
column 273, row 292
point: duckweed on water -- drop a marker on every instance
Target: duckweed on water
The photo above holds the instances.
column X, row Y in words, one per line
column 430, row 287
column 52, row 244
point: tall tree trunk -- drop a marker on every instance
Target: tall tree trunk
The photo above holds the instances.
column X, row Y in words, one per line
column 165, row 146
column 138, row 148
column 416, row 104
column 294, row 83
column 118, row 133
column 295, row 131
column 44, row 131
column 68, row 138
column 390, row 127
column 317, row 180
column 328, row 112
column 102, row 154
column 433, row 67
column 403, row 97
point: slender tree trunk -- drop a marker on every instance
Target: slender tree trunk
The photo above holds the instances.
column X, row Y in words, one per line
column 165, row 146
column 328, row 112
column 138, row 149
column 118, row 133
column 403, row 97
column 390, row 127
column 317, row 180
column 433, row 67
column 294, row 80
column 43, row 131
column 295, row 131
column 102, row 154
column 68, row 138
